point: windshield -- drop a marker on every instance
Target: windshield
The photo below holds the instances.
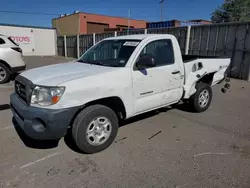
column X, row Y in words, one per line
column 113, row 53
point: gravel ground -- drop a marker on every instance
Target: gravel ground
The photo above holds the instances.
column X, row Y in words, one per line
column 211, row 149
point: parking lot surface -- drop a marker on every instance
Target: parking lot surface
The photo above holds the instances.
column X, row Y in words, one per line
column 168, row 148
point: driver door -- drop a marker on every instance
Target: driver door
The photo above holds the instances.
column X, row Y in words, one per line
column 159, row 85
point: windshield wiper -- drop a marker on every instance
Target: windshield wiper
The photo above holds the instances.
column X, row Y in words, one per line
column 81, row 61
column 92, row 62
column 97, row 63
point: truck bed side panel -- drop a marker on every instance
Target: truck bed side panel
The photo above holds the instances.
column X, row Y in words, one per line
column 196, row 69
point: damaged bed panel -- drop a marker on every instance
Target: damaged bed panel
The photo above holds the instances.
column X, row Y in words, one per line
column 197, row 69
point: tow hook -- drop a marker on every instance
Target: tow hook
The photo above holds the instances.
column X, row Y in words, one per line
column 226, row 86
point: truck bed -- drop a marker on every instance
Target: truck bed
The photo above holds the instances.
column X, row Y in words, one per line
column 188, row 58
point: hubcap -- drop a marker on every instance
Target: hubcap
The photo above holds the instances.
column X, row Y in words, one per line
column 203, row 98
column 98, row 131
column 2, row 73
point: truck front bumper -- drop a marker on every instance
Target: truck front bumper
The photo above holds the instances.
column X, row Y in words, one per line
column 39, row 123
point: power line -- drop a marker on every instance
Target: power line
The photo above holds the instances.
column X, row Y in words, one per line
column 30, row 13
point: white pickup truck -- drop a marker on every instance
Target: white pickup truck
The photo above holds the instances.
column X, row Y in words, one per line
column 116, row 79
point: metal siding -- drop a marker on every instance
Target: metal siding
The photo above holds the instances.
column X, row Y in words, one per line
column 203, row 41
column 135, row 31
column 154, row 25
column 101, row 36
column 246, row 56
column 121, row 33
column 71, row 46
column 60, row 46
column 85, row 42
column 224, row 40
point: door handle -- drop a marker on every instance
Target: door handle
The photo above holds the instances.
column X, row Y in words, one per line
column 176, row 72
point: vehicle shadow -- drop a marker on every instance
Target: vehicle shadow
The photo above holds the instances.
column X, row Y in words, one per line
column 31, row 143
column 68, row 140
column 48, row 144
column 70, row 143
column 144, row 116
column 4, row 107
column 185, row 107
column 13, row 77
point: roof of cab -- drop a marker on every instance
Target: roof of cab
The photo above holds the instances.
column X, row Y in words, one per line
column 136, row 37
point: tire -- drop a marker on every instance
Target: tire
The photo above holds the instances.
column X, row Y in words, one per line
column 5, row 76
column 86, row 122
column 197, row 103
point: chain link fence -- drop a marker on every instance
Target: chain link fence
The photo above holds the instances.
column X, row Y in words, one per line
column 222, row 40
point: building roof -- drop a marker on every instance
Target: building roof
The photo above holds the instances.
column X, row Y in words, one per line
column 27, row 26
column 199, row 20
column 98, row 15
column 111, row 16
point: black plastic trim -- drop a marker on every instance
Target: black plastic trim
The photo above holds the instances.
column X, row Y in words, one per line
column 17, row 69
column 40, row 123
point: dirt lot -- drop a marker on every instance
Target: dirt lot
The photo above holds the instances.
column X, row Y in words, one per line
column 210, row 149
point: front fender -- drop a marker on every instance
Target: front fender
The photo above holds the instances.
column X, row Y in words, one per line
column 82, row 91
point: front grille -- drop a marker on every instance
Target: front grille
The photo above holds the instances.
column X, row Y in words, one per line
column 23, row 88
column 20, row 90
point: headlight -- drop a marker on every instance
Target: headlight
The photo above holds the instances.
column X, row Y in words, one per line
column 46, row 96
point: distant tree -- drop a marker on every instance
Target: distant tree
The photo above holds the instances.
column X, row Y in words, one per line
column 232, row 11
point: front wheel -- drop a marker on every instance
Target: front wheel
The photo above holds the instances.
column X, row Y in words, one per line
column 4, row 74
column 202, row 98
column 95, row 128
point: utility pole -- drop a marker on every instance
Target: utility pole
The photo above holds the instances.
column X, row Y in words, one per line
column 128, row 21
column 161, row 2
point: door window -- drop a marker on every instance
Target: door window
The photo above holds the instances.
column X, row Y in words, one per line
column 161, row 50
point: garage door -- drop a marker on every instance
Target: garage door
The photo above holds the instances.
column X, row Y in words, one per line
column 96, row 27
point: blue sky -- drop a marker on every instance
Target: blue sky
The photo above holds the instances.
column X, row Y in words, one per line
column 140, row 9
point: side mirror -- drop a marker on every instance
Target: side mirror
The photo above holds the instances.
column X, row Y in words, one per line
column 145, row 61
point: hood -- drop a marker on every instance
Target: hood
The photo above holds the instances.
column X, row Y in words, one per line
column 53, row 75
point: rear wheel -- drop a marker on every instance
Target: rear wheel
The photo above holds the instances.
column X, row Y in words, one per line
column 4, row 74
column 202, row 98
column 95, row 128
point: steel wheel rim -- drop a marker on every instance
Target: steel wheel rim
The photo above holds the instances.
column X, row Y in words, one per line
column 98, row 131
column 204, row 98
column 3, row 74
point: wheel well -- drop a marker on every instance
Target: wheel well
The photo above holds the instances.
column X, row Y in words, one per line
column 208, row 79
column 6, row 64
column 115, row 103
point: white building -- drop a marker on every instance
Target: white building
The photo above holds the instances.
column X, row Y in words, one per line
column 34, row 41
